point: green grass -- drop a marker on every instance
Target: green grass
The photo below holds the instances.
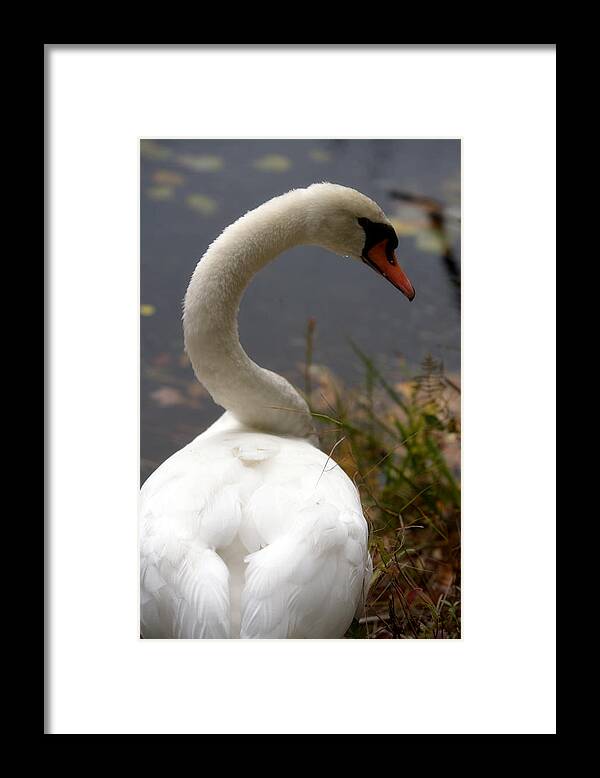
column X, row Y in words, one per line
column 398, row 438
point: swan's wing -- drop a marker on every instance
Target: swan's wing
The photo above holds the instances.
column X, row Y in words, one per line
column 189, row 507
column 310, row 578
column 185, row 595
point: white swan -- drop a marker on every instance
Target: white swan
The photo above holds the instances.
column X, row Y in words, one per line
column 249, row 531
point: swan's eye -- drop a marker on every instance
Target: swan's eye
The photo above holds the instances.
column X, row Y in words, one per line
column 377, row 234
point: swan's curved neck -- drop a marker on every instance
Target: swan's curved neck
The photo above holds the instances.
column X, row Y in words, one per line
column 257, row 397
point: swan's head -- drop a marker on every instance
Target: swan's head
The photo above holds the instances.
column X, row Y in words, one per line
column 351, row 224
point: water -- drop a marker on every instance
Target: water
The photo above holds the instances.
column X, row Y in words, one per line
column 192, row 189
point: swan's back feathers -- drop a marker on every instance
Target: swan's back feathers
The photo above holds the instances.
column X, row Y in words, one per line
column 286, row 519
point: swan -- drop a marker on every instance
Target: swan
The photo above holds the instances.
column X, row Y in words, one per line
column 251, row 531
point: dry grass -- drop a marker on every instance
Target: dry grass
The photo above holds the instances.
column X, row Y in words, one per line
column 398, row 438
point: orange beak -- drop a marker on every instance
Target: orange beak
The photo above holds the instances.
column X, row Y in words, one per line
column 386, row 263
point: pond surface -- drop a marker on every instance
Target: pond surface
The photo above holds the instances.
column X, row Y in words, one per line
column 192, row 189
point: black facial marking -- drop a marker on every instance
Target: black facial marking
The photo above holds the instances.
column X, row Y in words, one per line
column 375, row 232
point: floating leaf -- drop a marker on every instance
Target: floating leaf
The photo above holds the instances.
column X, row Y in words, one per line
column 167, row 396
column 430, row 242
column 273, row 163
column 147, row 310
column 168, row 178
column 153, row 150
column 405, row 227
column 201, row 203
column 201, row 163
column 160, row 192
column 319, row 155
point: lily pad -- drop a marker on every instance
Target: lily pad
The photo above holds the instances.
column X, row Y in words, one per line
column 273, row 163
column 319, row 155
column 153, row 150
column 168, row 396
column 168, row 178
column 201, row 203
column 160, row 192
column 201, row 163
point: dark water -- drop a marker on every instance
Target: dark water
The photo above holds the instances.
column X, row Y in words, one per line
column 192, row 189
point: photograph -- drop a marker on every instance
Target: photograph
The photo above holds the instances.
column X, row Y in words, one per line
column 300, row 388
